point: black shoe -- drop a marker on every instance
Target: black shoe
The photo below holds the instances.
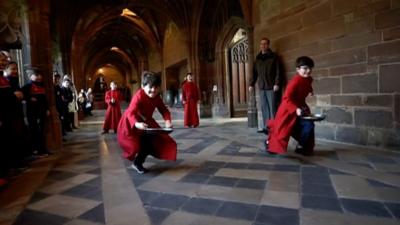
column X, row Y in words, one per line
column 263, row 131
column 139, row 168
column 266, row 144
column 104, row 132
column 301, row 151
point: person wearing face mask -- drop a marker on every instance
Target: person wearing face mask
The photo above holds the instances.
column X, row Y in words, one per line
column 288, row 120
column 37, row 111
column 136, row 143
column 113, row 99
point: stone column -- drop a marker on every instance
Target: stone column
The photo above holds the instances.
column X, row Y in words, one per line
column 252, row 116
column 39, row 42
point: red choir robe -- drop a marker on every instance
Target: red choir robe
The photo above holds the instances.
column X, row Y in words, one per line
column 129, row 137
column 190, row 94
column 281, row 128
column 113, row 113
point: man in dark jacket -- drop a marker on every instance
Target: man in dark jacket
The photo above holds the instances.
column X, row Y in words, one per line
column 266, row 72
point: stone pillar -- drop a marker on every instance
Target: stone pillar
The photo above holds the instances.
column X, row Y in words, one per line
column 252, row 116
column 39, row 42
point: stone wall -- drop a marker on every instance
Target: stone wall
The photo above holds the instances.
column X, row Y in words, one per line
column 356, row 48
column 174, row 48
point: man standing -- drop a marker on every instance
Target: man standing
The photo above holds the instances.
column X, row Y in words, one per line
column 266, row 72
column 190, row 97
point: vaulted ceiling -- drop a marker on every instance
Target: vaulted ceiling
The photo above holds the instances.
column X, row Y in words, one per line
column 87, row 29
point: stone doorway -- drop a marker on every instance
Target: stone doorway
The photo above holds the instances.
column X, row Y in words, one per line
column 239, row 73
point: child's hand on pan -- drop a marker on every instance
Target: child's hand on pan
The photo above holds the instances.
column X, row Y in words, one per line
column 141, row 125
column 168, row 124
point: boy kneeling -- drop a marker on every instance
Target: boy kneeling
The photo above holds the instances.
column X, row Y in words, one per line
column 288, row 121
column 136, row 143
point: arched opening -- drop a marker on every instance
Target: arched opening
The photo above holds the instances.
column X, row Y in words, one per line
column 239, row 72
column 233, row 69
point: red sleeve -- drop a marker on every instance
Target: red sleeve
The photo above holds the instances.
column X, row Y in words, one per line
column 163, row 109
column 290, row 95
column 108, row 97
column 184, row 92
column 132, row 112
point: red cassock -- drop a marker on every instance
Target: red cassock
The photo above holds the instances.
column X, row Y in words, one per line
column 190, row 94
column 141, row 109
column 113, row 113
column 281, row 128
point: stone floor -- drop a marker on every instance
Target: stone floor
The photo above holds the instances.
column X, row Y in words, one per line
column 221, row 177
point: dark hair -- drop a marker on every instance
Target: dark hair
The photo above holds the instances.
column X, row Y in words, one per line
column 33, row 70
column 265, row 39
column 11, row 63
column 151, row 79
column 304, row 61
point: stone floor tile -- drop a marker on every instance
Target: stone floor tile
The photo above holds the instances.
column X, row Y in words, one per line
column 318, row 217
column 157, row 216
column 394, row 209
column 380, row 159
column 353, row 187
column 81, row 222
column 364, row 207
column 213, row 164
column 37, row 196
column 252, row 184
column 318, row 190
column 280, row 176
column 378, row 184
column 205, row 170
column 223, row 181
column 32, row 217
column 314, row 170
column 85, row 191
column 236, row 165
column 195, row 178
column 60, row 175
column 277, row 216
column 148, row 196
column 65, row 206
column 308, row 178
column 389, row 194
column 94, row 215
column 281, row 199
column 282, row 167
column 184, row 218
column 243, row 174
column 60, row 186
column 202, row 206
column 236, row 210
column 243, row 195
column 283, row 186
column 169, row 201
column 320, row 203
column 172, row 187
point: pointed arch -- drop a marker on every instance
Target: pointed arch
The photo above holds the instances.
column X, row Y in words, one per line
column 222, row 60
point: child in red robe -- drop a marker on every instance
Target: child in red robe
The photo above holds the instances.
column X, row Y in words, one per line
column 190, row 97
column 113, row 99
column 136, row 143
column 288, row 120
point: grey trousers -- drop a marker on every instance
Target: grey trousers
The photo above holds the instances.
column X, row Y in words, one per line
column 268, row 106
